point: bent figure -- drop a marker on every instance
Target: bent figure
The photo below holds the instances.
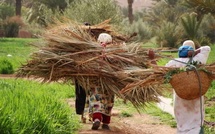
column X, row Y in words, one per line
column 101, row 102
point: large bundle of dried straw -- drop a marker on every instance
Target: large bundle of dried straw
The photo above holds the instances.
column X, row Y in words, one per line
column 72, row 53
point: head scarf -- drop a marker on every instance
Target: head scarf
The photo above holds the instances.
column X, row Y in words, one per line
column 104, row 38
column 188, row 45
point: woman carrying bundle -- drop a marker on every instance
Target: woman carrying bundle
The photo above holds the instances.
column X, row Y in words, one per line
column 101, row 102
column 189, row 114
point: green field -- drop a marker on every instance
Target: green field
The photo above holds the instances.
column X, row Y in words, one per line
column 17, row 51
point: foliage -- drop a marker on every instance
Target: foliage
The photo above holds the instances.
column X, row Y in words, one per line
column 142, row 29
column 96, row 12
column 11, row 29
column 208, row 27
column 36, row 30
column 161, row 11
column 171, row 2
column 9, row 2
column 163, row 20
column 183, row 17
column 11, row 26
column 42, row 11
column 202, row 6
column 190, row 25
column 169, row 74
column 169, row 34
column 29, row 107
column 55, row 4
column 40, row 14
column 6, row 67
column 6, row 11
column 202, row 41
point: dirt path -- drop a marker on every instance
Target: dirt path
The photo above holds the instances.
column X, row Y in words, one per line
column 137, row 124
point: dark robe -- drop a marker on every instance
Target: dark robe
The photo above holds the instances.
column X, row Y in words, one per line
column 80, row 99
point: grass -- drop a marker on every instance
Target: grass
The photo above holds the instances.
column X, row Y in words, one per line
column 16, row 50
column 31, row 107
column 128, row 110
column 211, row 58
column 165, row 117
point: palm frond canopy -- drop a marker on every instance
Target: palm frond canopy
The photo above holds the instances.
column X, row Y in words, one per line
column 203, row 6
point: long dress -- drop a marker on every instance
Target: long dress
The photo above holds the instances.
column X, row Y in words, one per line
column 188, row 113
column 100, row 102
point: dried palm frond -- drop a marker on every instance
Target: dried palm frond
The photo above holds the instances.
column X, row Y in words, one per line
column 72, row 53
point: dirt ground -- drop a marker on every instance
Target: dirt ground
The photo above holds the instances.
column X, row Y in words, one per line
column 137, row 124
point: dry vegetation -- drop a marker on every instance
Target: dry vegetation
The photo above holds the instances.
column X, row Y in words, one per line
column 72, row 53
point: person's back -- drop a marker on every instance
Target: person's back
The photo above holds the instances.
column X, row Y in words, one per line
column 188, row 113
column 201, row 57
column 101, row 102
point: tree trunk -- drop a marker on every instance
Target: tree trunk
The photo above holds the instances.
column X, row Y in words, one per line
column 130, row 11
column 18, row 7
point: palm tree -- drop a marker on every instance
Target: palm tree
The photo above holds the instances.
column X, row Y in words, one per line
column 191, row 25
column 202, row 6
column 18, row 7
column 130, row 11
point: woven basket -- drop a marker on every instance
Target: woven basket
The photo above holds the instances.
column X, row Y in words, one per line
column 186, row 84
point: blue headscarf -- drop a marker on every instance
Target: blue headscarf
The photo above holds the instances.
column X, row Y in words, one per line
column 183, row 51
